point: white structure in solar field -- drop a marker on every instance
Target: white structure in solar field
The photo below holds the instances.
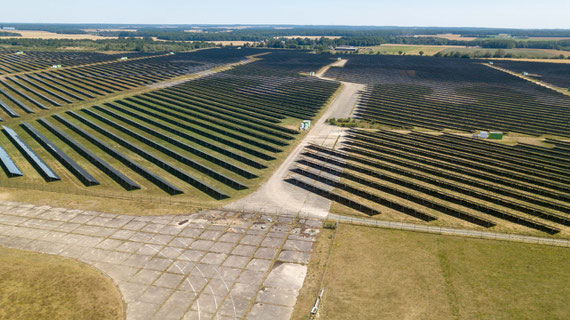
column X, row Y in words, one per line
column 56, row 66
column 124, row 58
column 346, row 48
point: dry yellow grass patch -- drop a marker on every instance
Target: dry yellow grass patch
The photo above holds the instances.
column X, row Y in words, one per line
column 41, row 286
column 387, row 274
column 110, row 30
column 449, row 36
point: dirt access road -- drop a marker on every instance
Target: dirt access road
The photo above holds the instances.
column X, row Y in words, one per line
column 278, row 196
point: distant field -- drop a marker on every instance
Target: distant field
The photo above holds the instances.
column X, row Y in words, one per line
column 41, row 286
column 376, row 273
column 110, row 30
column 449, row 36
column 408, row 49
column 312, row 37
column 33, row 34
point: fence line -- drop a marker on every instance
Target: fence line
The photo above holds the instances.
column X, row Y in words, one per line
column 449, row 231
column 171, row 200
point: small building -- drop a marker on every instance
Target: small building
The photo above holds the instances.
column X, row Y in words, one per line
column 312, row 73
column 496, row 135
column 8, row 28
column 525, row 73
column 20, row 52
column 484, row 134
column 346, row 48
column 305, row 125
column 491, row 63
column 56, row 66
column 124, row 58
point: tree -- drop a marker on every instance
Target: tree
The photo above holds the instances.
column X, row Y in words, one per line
column 421, row 53
column 400, row 52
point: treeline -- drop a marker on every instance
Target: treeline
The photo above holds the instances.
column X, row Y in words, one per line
column 139, row 45
column 500, row 53
column 9, row 34
column 374, row 41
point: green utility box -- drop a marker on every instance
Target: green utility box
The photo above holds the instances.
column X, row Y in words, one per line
column 495, row 135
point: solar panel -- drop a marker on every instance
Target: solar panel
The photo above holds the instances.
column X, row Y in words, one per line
column 34, row 159
column 69, row 163
column 11, row 169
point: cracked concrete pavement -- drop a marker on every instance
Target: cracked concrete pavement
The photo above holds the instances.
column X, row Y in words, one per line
column 209, row 265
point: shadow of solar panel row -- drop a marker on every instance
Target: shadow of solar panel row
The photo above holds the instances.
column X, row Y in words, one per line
column 446, row 196
column 180, row 106
column 23, row 95
column 556, row 172
column 158, row 181
column 310, row 186
column 437, row 159
column 521, row 153
column 167, row 167
column 43, row 169
column 440, row 183
column 164, row 165
column 16, row 102
column 316, row 175
column 432, row 195
column 179, row 144
column 65, row 160
column 200, row 132
column 230, row 124
column 62, row 83
column 42, row 96
column 189, row 137
column 171, row 153
column 116, row 175
column 53, row 87
column 219, row 110
column 64, row 99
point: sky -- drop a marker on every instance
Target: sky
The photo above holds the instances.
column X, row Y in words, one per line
column 445, row 13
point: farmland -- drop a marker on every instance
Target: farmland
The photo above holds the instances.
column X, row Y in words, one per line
column 395, row 49
column 205, row 140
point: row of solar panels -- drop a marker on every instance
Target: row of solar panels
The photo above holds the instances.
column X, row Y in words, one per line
column 49, row 174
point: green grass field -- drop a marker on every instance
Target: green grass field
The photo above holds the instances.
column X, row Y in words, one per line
column 385, row 274
column 40, row 286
